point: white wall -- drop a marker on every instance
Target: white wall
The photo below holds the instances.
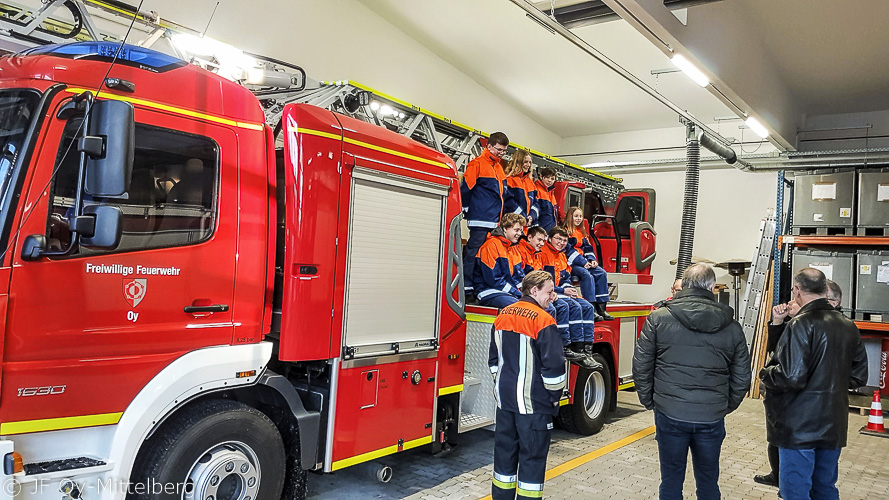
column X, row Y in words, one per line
column 731, row 205
column 344, row 40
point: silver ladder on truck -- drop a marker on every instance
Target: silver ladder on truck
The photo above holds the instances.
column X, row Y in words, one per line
column 30, row 23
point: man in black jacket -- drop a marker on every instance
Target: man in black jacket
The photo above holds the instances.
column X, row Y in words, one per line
column 819, row 357
column 782, row 313
column 692, row 367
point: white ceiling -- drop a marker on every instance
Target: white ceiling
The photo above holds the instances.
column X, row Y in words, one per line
column 832, row 54
column 545, row 76
column 779, row 60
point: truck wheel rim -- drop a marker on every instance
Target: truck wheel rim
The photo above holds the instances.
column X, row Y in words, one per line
column 594, row 395
column 228, row 471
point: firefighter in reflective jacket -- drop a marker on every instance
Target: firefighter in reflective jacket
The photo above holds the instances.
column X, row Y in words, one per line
column 497, row 268
column 572, row 317
column 581, row 334
column 529, row 376
column 544, row 208
column 582, row 258
column 522, row 192
column 482, row 191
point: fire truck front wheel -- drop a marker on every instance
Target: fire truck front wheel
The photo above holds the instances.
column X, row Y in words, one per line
column 592, row 399
column 217, row 449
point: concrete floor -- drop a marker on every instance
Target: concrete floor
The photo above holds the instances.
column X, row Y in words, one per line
column 627, row 472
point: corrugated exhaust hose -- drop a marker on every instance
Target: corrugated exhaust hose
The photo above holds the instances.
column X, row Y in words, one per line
column 690, row 201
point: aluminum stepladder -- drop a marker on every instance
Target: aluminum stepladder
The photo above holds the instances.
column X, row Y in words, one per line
column 757, row 279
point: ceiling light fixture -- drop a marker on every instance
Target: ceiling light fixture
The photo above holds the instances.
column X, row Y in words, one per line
column 757, row 127
column 689, row 69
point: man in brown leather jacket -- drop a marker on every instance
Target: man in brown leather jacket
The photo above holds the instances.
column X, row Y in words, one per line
column 818, row 359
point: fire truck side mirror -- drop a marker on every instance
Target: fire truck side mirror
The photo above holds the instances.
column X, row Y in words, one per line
column 107, row 227
column 33, row 247
column 110, row 147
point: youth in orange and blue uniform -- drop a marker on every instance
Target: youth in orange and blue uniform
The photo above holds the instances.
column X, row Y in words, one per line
column 544, row 206
column 522, row 195
column 482, row 191
column 495, row 271
column 531, row 262
column 593, row 281
column 528, row 365
column 581, row 324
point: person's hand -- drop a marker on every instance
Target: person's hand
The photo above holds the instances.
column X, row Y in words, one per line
column 779, row 312
column 530, row 221
column 593, row 263
column 588, row 265
column 571, row 292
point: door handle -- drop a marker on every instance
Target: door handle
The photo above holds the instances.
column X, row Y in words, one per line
column 207, row 309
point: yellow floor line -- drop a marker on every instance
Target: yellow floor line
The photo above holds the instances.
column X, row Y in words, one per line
column 577, row 462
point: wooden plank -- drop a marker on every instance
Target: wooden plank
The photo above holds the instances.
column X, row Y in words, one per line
column 758, row 352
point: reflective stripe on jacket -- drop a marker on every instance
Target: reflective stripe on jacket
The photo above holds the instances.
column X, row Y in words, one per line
column 527, row 360
column 483, row 191
column 579, row 247
column 555, row 263
column 522, row 195
column 496, row 267
column 545, row 205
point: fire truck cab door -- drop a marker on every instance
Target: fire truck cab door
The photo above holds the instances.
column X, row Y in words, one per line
column 634, row 224
column 164, row 291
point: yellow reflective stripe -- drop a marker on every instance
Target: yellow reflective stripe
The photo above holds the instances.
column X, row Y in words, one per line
column 467, row 127
column 365, row 457
column 374, row 147
column 480, row 318
column 529, row 493
column 504, row 486
column 56, row 424
column 629, row 314
column 626, row 386
column 319, row 133
column 173, row 109
column 413, row 107
column 450, row 390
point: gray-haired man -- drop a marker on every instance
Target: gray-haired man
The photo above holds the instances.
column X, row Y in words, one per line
column 692, row 367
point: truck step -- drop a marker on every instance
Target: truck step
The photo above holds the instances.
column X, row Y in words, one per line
column 61, row 465
column 469, row 421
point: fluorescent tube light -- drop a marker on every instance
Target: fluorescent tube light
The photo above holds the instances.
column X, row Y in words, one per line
column 688, row 68
column 757, row 127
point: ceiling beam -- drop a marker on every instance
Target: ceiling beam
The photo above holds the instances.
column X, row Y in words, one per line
column 597, row 11
column 718, row 41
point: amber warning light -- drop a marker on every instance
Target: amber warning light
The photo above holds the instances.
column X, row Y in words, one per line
column 245, row 374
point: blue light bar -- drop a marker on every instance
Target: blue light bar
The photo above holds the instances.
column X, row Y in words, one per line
column 129, row 54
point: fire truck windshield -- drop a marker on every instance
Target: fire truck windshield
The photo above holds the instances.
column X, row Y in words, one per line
column 17, row 108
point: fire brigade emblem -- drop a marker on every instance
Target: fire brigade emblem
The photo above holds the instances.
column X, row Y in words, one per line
column 134, row 290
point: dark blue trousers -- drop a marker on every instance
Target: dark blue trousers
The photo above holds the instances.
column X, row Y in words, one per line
column 593, row 283
column 812, row 471
column 477, row 237
column 674, row 439
column 498, row 300
column 521, row 443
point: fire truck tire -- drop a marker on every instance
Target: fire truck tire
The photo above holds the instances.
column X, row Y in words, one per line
column 217, row 449
column 592, row 398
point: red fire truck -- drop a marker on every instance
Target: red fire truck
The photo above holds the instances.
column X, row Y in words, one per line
column 191, row 313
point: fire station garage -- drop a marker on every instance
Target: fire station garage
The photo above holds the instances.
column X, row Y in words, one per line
column 443, row 249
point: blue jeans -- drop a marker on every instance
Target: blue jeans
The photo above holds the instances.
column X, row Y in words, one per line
column 809, row 471
column 674, row 438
